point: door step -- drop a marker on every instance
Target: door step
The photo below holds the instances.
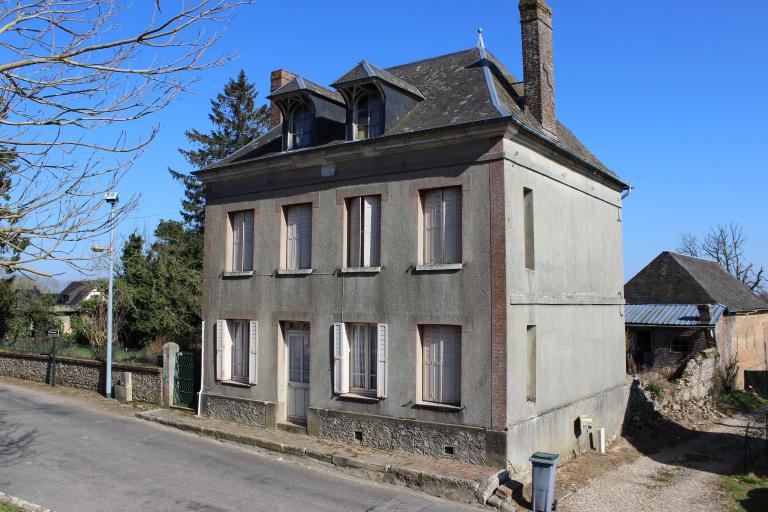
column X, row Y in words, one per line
column 294, row 428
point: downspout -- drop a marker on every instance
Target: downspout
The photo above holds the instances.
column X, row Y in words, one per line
column 202, row 371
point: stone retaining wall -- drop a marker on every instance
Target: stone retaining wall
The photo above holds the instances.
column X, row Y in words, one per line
column 249, row 412
column 82, row 373
column 698, row 378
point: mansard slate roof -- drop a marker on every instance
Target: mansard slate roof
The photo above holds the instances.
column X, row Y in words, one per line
column 302, row 84
column 458, row 88
column 673, row 278
column 365, row 70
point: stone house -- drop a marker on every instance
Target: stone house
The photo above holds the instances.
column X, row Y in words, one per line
column 419, row 258
column 68, row 301
column 679, row 305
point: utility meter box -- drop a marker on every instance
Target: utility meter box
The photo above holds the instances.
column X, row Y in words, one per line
column 585, row 424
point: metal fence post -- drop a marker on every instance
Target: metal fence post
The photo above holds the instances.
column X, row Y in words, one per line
column 53, row 334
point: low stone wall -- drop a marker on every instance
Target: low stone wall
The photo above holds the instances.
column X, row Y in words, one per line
column 81, row 373
column 698, row 377
column 249, row 412
column 467, row 444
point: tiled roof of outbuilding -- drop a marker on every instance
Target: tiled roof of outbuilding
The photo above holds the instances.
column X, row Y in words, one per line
column 676, row 315
column 456, row 90
column 673, row 278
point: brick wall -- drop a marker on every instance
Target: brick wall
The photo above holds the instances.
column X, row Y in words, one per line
column 81, row 373
column 663, row 355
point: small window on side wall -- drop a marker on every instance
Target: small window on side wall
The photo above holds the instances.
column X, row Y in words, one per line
column 363, row 231
column 680, row 345
column 368, row 116
column 241, row 225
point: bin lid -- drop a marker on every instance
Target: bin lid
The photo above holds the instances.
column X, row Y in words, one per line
column 545, row 458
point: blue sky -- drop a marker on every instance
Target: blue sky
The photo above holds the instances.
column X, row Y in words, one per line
column 671, row 95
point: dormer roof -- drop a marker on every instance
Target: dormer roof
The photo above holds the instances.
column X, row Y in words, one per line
column 301, row 85
column 365, row 71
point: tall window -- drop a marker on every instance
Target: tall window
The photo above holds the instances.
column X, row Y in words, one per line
column 442, row 225
column 239, row 332
column 237, row 350
column 363, row 346
column 298, row 239
column 364, row 231
column 441, row 364
column 528, row 229
column 242, row 241
column 369, row 117
column 301, row 128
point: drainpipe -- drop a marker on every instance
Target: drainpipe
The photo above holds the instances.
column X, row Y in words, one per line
column 627, row 192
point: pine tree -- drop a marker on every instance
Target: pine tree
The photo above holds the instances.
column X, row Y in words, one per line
column 236, row 121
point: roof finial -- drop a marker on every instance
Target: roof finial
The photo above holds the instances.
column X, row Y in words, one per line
column 480, row 42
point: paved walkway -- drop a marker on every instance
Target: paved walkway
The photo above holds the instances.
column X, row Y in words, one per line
column 73, row 451
column 444, row 478
column 682, row 478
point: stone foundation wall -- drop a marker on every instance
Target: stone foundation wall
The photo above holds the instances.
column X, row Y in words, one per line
column 468, row 444
column 81, row 373
column 249, row 412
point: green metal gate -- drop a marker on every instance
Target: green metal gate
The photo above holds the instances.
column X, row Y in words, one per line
column 184, row 393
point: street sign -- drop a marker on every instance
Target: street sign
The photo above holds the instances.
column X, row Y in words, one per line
column 53, row 333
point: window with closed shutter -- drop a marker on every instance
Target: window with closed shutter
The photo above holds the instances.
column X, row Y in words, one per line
column 442, row 226
column 298, row 237
column 364, row 228
column 441, row 364
column 242, row 241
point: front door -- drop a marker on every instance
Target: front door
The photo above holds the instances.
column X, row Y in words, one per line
column 298, row 375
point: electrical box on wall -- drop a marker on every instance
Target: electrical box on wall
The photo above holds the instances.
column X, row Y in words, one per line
column 585, row 424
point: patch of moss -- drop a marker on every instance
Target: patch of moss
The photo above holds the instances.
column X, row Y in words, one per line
column 742, row 401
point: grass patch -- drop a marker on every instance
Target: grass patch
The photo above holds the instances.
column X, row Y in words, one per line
column 741, row 401
column 748, row 492
column 7, row 507
column 654, row 390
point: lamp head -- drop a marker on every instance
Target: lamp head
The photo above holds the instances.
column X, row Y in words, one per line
column 111, row 198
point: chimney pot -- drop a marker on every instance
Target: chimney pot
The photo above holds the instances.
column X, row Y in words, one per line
column 277, row 79
column 538, row 62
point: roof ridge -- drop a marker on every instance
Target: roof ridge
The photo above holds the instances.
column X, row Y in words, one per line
column 410, row 63
column 695, row 280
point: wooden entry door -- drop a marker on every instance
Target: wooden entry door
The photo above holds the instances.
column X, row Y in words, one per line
column 298, row 375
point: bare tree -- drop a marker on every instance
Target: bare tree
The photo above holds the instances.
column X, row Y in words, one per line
column 725, row 245
column 73, row 72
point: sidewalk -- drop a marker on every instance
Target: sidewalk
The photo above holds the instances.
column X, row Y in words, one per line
column 443, row 478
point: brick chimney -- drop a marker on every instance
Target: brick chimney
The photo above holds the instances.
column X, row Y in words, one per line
column 538, row 63
column 277, row 79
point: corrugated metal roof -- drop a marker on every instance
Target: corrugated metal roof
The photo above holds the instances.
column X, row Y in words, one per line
column 678, row 315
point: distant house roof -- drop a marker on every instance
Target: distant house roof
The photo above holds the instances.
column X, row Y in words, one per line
column 673, row 315
column 75, row 292
column 464, row 87
column 673, row 278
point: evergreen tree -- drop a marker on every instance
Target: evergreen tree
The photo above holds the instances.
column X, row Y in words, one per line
column 236, row 121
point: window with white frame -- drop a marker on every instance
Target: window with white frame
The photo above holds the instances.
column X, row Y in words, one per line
column 241, row 224
column 300, row 127
column 441, row 364
column 363, row 231
column 368, row 116
column 441, row 209
column 237, row 350
column 298, row 237
column 360, row 358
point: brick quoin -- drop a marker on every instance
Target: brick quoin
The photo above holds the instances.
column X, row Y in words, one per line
column 498, row 293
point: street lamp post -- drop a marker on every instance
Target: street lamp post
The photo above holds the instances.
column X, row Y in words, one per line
column 111, row 199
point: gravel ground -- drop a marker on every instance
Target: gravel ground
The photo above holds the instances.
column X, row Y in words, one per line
column 682, row 478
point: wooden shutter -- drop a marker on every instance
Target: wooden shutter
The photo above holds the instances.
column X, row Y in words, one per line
column 226, row 352
column 452, row 225
column 219, row 348
column 382, row 347
column 253, row 352
column 305, row 237
column 340, row 359
column 354, row 232
column 371, row 230
column 291, row 238
column 450, row 363
column 248, row 240
column 237, row 240
column 431, row 366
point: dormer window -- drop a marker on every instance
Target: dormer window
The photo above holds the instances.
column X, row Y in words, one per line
column 300, row 128
column 368, row 116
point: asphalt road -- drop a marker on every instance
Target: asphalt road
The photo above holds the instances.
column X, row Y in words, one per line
column 68, row 456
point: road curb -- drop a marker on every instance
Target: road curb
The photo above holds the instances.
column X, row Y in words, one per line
column 466, row 490
column 7, row 499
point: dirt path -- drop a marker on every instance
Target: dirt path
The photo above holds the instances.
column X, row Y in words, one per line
column 682, row 478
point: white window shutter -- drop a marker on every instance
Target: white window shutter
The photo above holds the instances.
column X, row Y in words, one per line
column 253, row 352
column 219, row 348
column 429, row 376
column 452, row 236
column 340, row 359
column 354, row 233
column 382, row 346
column 305, row 237
column 226, row 353
column 433, row 224
column 371, row 229
column 248, row 241
column 291, row 249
